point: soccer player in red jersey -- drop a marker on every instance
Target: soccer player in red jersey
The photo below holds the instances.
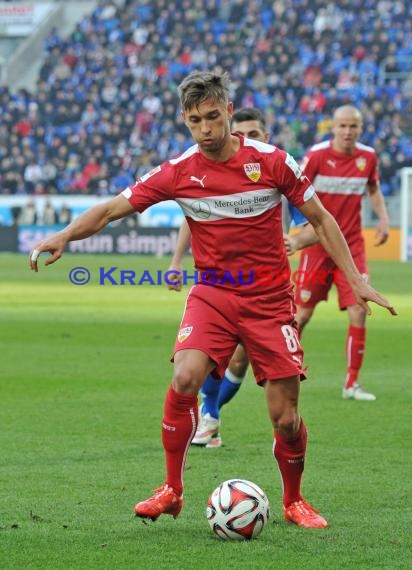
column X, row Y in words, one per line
column 230, row 190
column 249, row 122
column 341, row 169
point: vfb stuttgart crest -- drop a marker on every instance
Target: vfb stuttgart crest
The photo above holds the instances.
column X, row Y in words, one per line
column 361, row 163
column 305, row 295
column 252, row 170
column 184, row 333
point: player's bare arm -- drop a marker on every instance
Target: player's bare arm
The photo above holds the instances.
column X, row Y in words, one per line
column 377, row 203
column 335, row 244
column 87, row 224
column 307, row 236
column 182, row 245
column 304, row 238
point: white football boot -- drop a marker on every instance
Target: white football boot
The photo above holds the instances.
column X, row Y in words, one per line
column 207, row 430
column 356, row 392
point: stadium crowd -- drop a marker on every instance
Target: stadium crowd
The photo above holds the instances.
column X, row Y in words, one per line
column 105, row 108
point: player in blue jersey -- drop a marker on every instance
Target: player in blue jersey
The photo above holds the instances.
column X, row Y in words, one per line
column 249, row 122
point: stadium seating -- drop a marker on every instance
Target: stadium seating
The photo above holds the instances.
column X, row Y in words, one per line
column 105, row 106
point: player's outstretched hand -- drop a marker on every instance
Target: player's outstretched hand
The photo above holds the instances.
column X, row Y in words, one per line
column 382, row 234
column 175, row 277
column 290, row 244
column 365, row 293
column 54, row 245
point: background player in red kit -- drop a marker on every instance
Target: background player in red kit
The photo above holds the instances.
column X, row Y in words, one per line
column 341, row 169
column 230, row 190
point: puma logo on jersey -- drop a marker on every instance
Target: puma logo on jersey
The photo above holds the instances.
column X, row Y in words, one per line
column 200, row 180
column 331, row 163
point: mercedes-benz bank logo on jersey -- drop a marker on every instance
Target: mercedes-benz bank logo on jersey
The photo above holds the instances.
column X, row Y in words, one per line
column 241, row 204
column 201, row 209
column 252, row 170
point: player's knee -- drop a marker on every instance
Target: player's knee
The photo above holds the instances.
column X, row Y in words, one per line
column 357, row 315
column 287, row 423
column 302, row 318
column 187, row 380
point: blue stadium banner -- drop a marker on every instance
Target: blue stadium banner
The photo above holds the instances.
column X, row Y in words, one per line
column 28, row 236
column 118, row 239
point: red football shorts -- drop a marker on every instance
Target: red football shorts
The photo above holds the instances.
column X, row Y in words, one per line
column 216, row 320
column 317, row 273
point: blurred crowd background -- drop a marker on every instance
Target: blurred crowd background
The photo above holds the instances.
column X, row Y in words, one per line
column 104, row 108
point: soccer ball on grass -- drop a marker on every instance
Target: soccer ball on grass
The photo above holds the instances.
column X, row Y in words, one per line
column 237, row 510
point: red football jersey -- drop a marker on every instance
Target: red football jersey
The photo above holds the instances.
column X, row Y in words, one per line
column 233, row 209
column 340, row 181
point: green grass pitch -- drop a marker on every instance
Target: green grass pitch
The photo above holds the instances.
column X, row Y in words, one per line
column 83, row 374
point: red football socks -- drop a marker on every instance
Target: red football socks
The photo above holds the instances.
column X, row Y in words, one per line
column 178, row 428
column 290, row 456
column 355, row 349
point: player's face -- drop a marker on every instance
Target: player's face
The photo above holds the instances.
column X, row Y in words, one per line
column 346, row 129
column 209, row 125
column 251, row 130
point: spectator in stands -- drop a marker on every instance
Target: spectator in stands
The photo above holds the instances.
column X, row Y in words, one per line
column 32, row 175
column 64, row 215
column 28, row 214
column 48, row 217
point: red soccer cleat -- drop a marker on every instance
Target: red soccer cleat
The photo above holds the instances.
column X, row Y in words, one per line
column 302, row 514
column 164, row 501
